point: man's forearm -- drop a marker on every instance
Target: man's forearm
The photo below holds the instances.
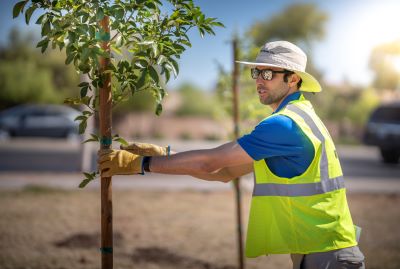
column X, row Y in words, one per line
column 183, row 163
column 222, row 175
column 222, row 163
column 225, row 174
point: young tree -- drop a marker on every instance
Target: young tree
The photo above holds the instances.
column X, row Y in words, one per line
column 146, row 43
column 146, row 40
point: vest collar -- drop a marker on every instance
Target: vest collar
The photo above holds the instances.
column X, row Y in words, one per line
column 291, row 97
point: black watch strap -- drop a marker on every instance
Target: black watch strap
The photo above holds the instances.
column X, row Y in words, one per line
column 146, row 163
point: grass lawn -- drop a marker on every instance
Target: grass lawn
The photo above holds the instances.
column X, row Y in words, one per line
column 49, row 228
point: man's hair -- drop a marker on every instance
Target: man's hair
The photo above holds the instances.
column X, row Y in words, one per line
column 286, row 76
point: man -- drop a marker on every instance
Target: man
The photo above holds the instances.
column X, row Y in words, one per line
column 299, row 201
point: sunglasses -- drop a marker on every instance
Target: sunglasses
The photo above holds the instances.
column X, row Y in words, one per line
column 266, row 74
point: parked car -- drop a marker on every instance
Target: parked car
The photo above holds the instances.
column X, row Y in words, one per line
column 383, row 130
column 39, row 121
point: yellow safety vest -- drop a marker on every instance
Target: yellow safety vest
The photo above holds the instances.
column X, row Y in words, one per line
column 307, row 213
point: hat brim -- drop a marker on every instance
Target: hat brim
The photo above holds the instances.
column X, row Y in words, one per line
column 309, row 84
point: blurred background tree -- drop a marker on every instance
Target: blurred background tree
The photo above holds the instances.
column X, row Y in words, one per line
column 27, row 76
column 302, row 24
column 385, row 63
column 195, row 101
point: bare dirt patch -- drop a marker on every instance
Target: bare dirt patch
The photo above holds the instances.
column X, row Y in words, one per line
column 84, row 240
column 42, row 229
column 162, row 256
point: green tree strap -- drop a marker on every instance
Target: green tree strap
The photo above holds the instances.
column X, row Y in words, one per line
column 102, row 36
column 106, row 250
column 106, row 141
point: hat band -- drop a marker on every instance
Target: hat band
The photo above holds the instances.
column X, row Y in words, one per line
column 281, row 62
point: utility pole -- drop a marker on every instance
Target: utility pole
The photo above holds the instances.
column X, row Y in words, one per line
column 106, row 140
column 236, row 181
column 86, row 148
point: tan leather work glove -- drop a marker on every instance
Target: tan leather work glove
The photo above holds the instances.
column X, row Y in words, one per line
column 118, row 162
column 146, row 149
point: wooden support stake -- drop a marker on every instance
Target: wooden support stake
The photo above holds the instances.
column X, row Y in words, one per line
column 236, row 182
column 105, row 132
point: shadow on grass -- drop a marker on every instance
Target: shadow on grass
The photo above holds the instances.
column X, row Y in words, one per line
column 165, row 257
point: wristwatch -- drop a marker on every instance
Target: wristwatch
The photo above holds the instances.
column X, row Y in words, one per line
column 146, row 163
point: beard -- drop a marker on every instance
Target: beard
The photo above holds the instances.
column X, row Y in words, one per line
column 272, row 97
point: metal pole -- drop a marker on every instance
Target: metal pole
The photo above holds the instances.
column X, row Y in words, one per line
column 105, row 132
column 236, row 181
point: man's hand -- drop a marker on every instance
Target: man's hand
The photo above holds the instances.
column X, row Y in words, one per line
column 146, row 149
column 118, row 162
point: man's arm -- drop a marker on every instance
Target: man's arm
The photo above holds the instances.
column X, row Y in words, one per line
column 219, row 163
column 227, row 174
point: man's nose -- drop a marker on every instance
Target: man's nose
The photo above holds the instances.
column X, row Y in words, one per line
column 259, row 80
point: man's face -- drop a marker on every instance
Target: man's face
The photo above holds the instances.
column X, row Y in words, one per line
column 271, row 91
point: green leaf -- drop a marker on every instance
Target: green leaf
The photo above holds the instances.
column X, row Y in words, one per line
column 94, row 136
column 85, row 17
column 89, row 140
column 217, row 23
column 43, row 44
column 84, row 91
column 88, row 113
column 176, row 66
column 18, row 8
column 119, row 41
column 142, row 79
column 80, row 117
column 69, row 59
column 201, row 31
column 158, row 109
column 122, row 141
column 28, row 14
column 86, row 100
column 88, row 177
column 155, row 49
column 85, row 54
column 100, row 14
column 149, row 42
column 167, row 74
column 84, row 67
column 41, row 18
column 46, row 27
column 82, row 126
column 154, row 74
column 118, row 11
column 171, row 64
column 117, row 50
column 82, row 84
column 150, row 5
column 84, row 182
column 161, row 59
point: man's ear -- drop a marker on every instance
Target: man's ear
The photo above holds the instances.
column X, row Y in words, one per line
column 293, row 80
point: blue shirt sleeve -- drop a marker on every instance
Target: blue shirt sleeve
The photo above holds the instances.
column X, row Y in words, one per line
column 277, row 136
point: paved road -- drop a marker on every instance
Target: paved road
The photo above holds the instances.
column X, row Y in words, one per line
column 57, row 163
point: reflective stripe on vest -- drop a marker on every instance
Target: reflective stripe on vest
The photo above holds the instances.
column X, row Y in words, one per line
column 307, row 189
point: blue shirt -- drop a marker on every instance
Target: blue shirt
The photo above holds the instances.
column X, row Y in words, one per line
column 281, row 143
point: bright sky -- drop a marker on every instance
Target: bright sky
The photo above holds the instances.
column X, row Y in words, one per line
column 353, row 29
